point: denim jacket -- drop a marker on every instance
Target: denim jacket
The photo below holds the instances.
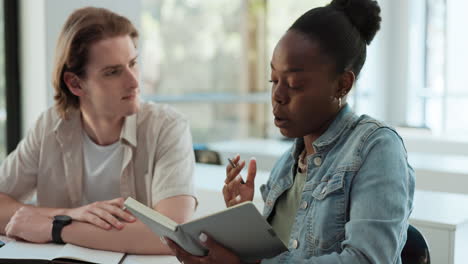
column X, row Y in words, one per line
column 357, row 197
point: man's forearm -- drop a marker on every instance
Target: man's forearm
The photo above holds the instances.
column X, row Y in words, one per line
column 9, row 207
column 134, row 238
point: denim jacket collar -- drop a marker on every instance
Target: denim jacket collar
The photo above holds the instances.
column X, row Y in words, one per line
column 344, row 119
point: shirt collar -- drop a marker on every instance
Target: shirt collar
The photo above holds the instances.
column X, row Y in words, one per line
column 66, row 129
column 129, row 130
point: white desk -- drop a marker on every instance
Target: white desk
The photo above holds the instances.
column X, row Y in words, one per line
column 443, row 220
column 209, row 182
column 266, row 151
column 441, row 217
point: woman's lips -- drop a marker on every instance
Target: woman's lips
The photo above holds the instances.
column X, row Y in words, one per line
column 281, row 122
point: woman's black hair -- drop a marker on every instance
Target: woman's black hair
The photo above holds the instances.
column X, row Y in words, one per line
column 343, row 29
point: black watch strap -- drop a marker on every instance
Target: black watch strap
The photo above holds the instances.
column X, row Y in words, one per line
column 60, row 221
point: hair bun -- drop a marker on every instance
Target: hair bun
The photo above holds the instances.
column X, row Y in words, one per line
column 363, row 14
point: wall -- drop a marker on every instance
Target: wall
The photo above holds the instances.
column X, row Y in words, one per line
column 41, row 22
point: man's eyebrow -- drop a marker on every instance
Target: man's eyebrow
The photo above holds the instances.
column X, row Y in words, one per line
column 116, row 66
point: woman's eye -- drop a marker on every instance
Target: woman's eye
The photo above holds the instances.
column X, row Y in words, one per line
column 273, row 81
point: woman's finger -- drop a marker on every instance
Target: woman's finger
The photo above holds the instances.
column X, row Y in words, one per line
column 234, row 185
column 251, row 172
column 234, row 172
column 234, row 201
column 226, row 194
column 234, row 161
column 181, row 254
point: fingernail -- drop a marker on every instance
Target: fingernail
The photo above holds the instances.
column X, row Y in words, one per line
column 203, row 237
column 253, row 158
column 163, row 240
column 238, row 198
column 132, row 218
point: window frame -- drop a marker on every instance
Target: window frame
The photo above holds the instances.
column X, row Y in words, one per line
column 12, row 73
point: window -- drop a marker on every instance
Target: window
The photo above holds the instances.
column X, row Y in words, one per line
column 210, row 59
column 10, row 107
column 443, row 95
column 3, row 112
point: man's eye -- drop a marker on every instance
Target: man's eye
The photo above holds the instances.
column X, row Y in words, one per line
column 112, row 72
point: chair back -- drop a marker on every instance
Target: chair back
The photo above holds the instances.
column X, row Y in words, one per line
column 207, row 156
column 416, row 249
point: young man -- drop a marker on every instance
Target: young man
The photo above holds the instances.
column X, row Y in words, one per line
column 97, row 146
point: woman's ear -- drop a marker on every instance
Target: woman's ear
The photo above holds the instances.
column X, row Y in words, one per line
column 345, row 84
column 73, row 83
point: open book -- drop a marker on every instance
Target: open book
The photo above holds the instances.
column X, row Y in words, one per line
column 240, row 228
column 24, row 252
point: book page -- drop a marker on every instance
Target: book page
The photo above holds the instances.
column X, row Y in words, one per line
column 147, row 259
column 133, row 205
column 70, row 251
column 25, row 250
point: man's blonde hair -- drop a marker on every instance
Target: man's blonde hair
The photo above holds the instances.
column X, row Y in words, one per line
column 83, row 28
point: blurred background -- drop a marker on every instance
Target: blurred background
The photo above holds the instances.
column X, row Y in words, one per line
column 210, row 60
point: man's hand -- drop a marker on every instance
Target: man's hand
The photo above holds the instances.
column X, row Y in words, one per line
column 28, row 225
column 104, row 214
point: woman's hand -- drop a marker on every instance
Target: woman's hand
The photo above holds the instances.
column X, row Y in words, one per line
column 103, row 214
column 216, row 254
column 235, row 191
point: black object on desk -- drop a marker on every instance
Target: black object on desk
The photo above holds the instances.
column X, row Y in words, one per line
column 2, row 243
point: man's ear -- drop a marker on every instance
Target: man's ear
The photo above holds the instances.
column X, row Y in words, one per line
column 73, row 83
column 345, row 84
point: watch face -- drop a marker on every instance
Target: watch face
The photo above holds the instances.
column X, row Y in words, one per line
column 62, row 218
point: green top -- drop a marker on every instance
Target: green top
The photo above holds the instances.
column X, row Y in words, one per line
column 286, row 208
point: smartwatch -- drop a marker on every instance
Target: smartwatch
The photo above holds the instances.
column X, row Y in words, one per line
column 60, row 221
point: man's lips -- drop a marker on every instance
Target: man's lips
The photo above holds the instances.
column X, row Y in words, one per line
column 132, row 96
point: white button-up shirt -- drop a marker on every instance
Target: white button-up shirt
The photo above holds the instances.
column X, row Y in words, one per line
column 158, row 159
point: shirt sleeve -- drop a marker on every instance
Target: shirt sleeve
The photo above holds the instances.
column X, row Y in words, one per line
column 175, row 162
column 381, row 199
column 18, row 172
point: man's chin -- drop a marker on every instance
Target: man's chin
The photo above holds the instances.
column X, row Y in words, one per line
column 133, row 110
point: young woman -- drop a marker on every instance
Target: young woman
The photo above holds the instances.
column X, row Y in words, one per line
column 343, row 193
column 98, row 145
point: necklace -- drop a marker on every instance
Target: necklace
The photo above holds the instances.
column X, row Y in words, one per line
column 302, row 164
